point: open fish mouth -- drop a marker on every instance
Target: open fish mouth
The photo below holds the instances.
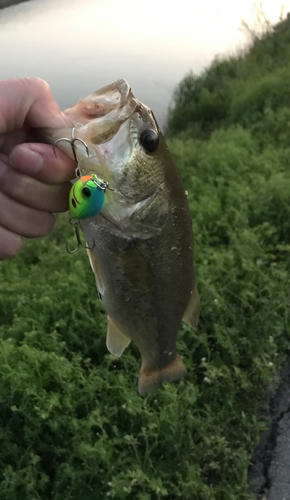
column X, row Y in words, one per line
column 108, row 107
column 109, row 122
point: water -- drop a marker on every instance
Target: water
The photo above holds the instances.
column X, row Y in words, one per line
column 78, row 46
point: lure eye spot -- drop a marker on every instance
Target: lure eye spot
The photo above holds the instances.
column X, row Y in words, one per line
column 73, row 203
column 86, row 192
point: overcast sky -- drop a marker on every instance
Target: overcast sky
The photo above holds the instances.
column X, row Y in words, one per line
column 81, row 45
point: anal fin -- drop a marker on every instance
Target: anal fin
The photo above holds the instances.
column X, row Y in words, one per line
column 191, row 315
column 116, row 340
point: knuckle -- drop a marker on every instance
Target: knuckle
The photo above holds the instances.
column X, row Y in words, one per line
column 41, row 85
column 16, row 185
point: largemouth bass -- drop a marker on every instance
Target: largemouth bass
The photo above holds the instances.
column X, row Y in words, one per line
column 142, row 244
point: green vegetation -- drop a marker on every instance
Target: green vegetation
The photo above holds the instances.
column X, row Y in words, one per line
column 72, row 425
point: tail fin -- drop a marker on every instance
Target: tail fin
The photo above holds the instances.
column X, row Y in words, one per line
column 151, row 380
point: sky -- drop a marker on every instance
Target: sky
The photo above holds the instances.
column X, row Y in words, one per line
column 188, row 28
column 181, row 25
column 80, row 45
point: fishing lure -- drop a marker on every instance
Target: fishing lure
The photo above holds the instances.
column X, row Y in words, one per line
column 87, row 197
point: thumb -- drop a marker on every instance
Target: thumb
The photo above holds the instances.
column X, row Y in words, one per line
column 28, row 101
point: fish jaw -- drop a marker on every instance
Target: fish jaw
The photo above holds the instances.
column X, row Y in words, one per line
column 96, row 119
column 113, row 103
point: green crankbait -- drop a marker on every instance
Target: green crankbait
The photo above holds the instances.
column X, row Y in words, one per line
column 87, row 196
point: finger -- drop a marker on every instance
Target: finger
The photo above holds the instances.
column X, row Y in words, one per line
column 33, row 193
column 22, row 220
column 11, row 243
column 39, row 161
column 28, row 100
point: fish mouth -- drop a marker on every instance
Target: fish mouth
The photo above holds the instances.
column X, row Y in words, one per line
column 102, row 114
column 97, row 116
column 113, row 103
column 103, row 121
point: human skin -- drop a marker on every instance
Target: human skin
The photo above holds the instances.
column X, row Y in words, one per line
column 34, row 183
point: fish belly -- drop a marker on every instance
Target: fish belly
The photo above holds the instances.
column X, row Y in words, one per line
column 145, row 287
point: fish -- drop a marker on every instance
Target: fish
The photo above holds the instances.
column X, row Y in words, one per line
column 140, row 242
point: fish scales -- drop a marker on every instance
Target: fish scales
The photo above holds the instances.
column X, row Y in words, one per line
column 142, row 239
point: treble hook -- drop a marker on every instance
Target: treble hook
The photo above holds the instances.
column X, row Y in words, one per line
column 101, row 184
column 72, row 141
column 75, row 224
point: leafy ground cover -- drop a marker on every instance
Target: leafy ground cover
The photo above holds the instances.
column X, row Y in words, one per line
column 72, row 425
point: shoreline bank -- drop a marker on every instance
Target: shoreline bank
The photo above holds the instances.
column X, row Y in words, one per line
column 9, row 3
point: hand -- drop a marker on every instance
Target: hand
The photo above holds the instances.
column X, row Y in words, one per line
column 34, row 183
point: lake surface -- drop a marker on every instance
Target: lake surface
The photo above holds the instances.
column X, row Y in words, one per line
column 78, row 46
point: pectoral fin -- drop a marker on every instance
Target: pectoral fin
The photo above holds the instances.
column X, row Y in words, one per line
column 191, row 315
column 97, row 272
column 116, row 340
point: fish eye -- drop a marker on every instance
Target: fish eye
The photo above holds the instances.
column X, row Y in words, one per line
column 149, row 140
column 86, row 192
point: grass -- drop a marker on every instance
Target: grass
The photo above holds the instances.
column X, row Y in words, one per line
column 72, row 424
